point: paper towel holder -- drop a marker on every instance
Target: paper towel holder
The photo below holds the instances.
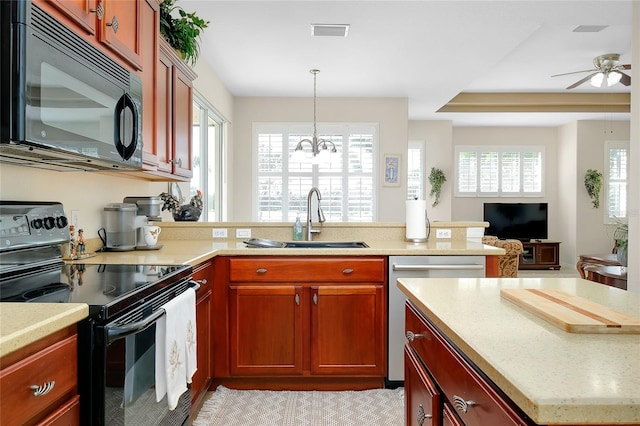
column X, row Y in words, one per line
column 427, row 230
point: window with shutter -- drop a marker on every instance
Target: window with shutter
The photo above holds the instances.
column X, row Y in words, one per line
column 499, row 171
column 416, row 170
column 616, row 169
column 345, row 178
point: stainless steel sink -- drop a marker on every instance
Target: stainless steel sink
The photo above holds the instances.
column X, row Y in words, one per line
column 260, row 242
column 325, row 244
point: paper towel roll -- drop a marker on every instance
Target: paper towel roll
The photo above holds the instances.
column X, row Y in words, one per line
column 416, row 223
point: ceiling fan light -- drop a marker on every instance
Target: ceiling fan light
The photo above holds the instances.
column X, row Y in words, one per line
column 597, row 79
column 613, row 78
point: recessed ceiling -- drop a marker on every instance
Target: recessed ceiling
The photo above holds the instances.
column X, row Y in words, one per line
column 426, row 51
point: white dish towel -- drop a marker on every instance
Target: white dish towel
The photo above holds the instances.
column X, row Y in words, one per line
column 176, row 351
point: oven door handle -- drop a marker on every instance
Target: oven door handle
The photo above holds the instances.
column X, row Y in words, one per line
column 119, row 331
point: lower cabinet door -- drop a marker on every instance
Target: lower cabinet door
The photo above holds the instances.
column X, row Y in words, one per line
column 265, row 330
column 347, row 330
column 422, row 404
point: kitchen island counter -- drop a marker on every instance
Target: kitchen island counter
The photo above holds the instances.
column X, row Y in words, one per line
column 554, row 376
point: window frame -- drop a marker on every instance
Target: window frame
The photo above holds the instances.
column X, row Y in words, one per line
column 500, row 150
column 608, row 146
column 287, row 128
column 421, row 147
column 207, row 111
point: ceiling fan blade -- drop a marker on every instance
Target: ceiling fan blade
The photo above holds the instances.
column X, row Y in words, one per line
column 625, row 79
column 579, row 82
column 574, row 72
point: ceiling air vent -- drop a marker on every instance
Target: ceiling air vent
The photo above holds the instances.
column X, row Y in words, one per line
column 589, row 28
column 329, row 30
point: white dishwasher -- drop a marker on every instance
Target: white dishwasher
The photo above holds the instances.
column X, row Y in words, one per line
column 419, row 267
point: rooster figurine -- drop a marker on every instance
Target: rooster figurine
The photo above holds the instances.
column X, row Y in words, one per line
column 185, row 213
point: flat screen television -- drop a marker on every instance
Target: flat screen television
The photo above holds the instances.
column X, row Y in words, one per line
column 520, row 221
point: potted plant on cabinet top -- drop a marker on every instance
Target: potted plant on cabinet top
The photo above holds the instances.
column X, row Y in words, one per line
column 181, row 30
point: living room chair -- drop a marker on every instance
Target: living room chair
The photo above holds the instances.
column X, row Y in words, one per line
column 507, row 263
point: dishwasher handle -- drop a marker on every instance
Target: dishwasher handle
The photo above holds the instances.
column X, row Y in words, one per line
column 437, row 267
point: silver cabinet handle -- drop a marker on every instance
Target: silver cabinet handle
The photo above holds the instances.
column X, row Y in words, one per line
column 177, row 161
column 113, row 24
column 44, row 389
column 261, row 271
column 421, row 416
column 315, row 298
column 411, row 336
column 347, row 271
column 202, row 281
column 99, row 11
column 461, row 405
column 297, row 298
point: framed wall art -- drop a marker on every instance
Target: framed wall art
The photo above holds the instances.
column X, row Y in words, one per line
column 391, row 170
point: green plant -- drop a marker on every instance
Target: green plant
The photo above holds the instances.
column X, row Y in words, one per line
column 593, row 183
column 621, row 240
column 436, row 179
column 181, row 30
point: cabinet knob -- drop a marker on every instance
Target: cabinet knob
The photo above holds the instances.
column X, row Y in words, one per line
column 411, row 336
column 297, row 299
column 177, row 161
column 202, row 281
column 44, row 389
column 113, row 24
column 99, row 11
column 315, row 298
column 347, row 271
column 461, row 405
column 421, row 416
column 261, row 271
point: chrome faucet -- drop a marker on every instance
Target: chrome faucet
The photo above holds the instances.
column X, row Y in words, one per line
column 321, row 218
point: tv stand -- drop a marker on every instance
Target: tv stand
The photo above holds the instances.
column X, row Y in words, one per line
column 538, row 254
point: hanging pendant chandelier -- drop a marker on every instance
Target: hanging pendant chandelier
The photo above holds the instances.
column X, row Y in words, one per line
column 317, row 145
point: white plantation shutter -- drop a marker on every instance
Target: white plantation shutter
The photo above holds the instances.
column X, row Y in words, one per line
column 616, row 175
column 415, row 170
column 345, row 178
column 499, row 171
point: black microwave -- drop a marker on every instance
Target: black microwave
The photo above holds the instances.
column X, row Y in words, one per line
column 64, row 104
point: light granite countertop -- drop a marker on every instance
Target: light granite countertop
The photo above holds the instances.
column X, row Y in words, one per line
column 193, row 252
column 554, row 376
column 24, row 323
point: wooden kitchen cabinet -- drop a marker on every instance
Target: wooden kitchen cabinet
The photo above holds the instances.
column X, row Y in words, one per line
column 203, row 274
column 168, row 156
column 113, row 25
column 302, row 322
column 50, row 363
column 422, row 397
column 467, row 397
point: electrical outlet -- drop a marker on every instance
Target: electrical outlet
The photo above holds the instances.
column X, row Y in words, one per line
column 75, row 218
column 243, row 233
column 219, row 233
column 443, row 233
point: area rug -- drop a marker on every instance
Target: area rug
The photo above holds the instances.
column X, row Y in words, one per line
column 229, row 407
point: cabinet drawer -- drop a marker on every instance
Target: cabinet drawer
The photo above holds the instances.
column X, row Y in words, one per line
column 422, row 397
column 57, row 363
column 473, row 399
column 317, row 269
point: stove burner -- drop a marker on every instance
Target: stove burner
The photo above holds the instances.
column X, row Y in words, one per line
column 58, row 292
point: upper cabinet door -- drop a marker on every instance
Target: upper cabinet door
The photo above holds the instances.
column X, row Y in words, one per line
column 81, row 12
column 119, row 29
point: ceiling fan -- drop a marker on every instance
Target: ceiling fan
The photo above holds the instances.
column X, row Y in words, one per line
column 607, row 68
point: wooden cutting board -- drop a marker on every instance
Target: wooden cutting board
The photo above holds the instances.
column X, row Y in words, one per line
column 571, row 313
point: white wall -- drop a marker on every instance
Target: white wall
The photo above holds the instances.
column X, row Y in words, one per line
column 633, row 271
column 568, row 186
column 439, row 154
column 389, row 113
column 592, row 236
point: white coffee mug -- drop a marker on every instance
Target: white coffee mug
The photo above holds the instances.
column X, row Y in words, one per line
column 151, row 234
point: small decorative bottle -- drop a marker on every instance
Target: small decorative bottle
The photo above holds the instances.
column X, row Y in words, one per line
column 297, row 229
